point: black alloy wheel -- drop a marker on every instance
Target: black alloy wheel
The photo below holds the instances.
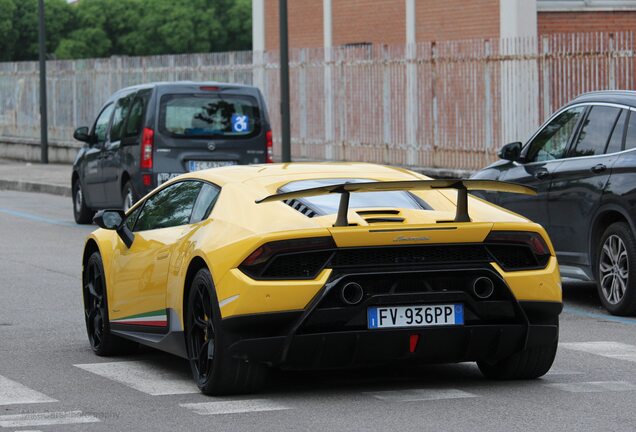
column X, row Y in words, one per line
column 201, row 334
column 616, row 270
column 81, row 213
column 102, row 341
column 213, row 368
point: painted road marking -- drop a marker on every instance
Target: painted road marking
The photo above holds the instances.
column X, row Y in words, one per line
column 556, row 371
column 602, row 316
column 36, row 218
column 142, row 376
column 593, row 386
column 615, row 350
column 46, row 419
column 13, row 393
column 234, row 407
column 413, row 395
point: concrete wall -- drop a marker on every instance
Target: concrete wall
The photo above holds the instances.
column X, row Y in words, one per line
column 30, row 150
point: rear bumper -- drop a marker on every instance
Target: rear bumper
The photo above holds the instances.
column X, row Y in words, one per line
column 344, row 349
column 435, row 345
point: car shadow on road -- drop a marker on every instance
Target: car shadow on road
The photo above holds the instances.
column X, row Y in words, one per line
column 582, row 294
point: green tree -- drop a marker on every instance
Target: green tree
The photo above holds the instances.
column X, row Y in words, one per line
column 59, row 16
column 84, row 43
column 7, row 41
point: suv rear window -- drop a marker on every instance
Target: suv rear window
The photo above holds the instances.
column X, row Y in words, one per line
column 328, row 204
column 209, row 115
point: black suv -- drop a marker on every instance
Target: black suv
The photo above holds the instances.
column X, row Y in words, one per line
column 583, row 163
column 147, row 134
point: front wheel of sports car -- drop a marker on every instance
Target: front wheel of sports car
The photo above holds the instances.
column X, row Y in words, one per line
column 530, row 363
column 102, row 341
column 214, row 370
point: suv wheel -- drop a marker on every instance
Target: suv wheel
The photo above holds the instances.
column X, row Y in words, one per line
column 616, row 270
column 82, row 214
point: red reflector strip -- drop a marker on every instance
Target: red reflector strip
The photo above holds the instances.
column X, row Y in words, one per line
column 147, row 179
column 413, row 340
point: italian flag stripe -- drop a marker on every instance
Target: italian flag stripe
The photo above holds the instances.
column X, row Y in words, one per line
column 154, row 319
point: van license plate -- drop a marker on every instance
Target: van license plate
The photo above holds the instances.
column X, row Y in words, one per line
column 415, row 316
column 201, row 165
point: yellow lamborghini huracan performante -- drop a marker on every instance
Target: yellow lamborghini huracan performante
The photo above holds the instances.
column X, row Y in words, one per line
column 332, row 265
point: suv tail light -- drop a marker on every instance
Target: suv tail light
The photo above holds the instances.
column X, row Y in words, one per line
column 289, row 259
column 269, row 157
column 504, row 246
column 147, row 140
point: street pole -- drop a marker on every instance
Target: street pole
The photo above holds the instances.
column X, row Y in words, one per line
column 284, row 82
column 44, row 156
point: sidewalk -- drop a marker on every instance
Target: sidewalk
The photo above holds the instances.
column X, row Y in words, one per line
column 33, row 177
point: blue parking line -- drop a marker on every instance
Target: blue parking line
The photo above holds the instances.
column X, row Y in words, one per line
column 36, row 218
column 603, row 316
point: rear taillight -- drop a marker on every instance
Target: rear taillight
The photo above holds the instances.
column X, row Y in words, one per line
column 297, row 258
column 504, row 246
column 147, row 140
column 269, row 158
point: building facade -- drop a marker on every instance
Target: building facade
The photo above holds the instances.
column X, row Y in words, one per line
column 316, row 23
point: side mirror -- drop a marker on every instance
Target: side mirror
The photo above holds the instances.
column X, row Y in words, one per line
column 81, row 134
column 114, row 220
column 511, row 152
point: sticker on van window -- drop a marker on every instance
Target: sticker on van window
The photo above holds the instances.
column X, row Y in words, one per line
column 240, row 123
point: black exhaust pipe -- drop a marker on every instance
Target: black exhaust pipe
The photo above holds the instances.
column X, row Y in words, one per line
column 352, row 293
column 483, row 287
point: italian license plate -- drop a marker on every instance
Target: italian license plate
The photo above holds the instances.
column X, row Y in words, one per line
column 201, row 165
column 415, row 316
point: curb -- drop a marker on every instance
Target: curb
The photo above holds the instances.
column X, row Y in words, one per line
column 23, row 186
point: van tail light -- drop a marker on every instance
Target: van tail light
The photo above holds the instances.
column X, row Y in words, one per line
column 269, row 158
column 147, row 140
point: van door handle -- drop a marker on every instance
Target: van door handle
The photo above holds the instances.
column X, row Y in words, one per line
column 163, row 255
column 541, row 174
column 598, row 168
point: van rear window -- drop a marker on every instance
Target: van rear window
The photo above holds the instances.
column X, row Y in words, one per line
column 209, row 115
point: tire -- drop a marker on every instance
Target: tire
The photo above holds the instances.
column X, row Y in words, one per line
column 528, row 364
column 616, row 270
column 128, row 196
column 213, row 369
column 83, row 215
column 102, row 341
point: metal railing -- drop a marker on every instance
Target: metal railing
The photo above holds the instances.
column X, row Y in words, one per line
column 447, row 104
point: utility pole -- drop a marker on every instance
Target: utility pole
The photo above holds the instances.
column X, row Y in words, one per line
column 284, row 81
column 44, row 156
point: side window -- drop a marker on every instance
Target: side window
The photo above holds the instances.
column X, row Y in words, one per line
column 121, row 111
column 205, row 202
column 630, row 138
column 595, row 131
column 552, row 142
column 169, row 207
column 616, row 140
column 135, row 118
column 101, row 125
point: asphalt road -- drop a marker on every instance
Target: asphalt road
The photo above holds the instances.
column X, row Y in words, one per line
column 51, row 381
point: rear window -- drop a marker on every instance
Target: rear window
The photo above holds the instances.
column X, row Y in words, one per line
column 209, row 115
column 328, row 204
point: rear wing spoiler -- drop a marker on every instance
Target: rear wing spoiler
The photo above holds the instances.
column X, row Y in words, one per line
column 462, row 187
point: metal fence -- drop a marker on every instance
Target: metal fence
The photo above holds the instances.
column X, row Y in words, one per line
column 447, row 104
